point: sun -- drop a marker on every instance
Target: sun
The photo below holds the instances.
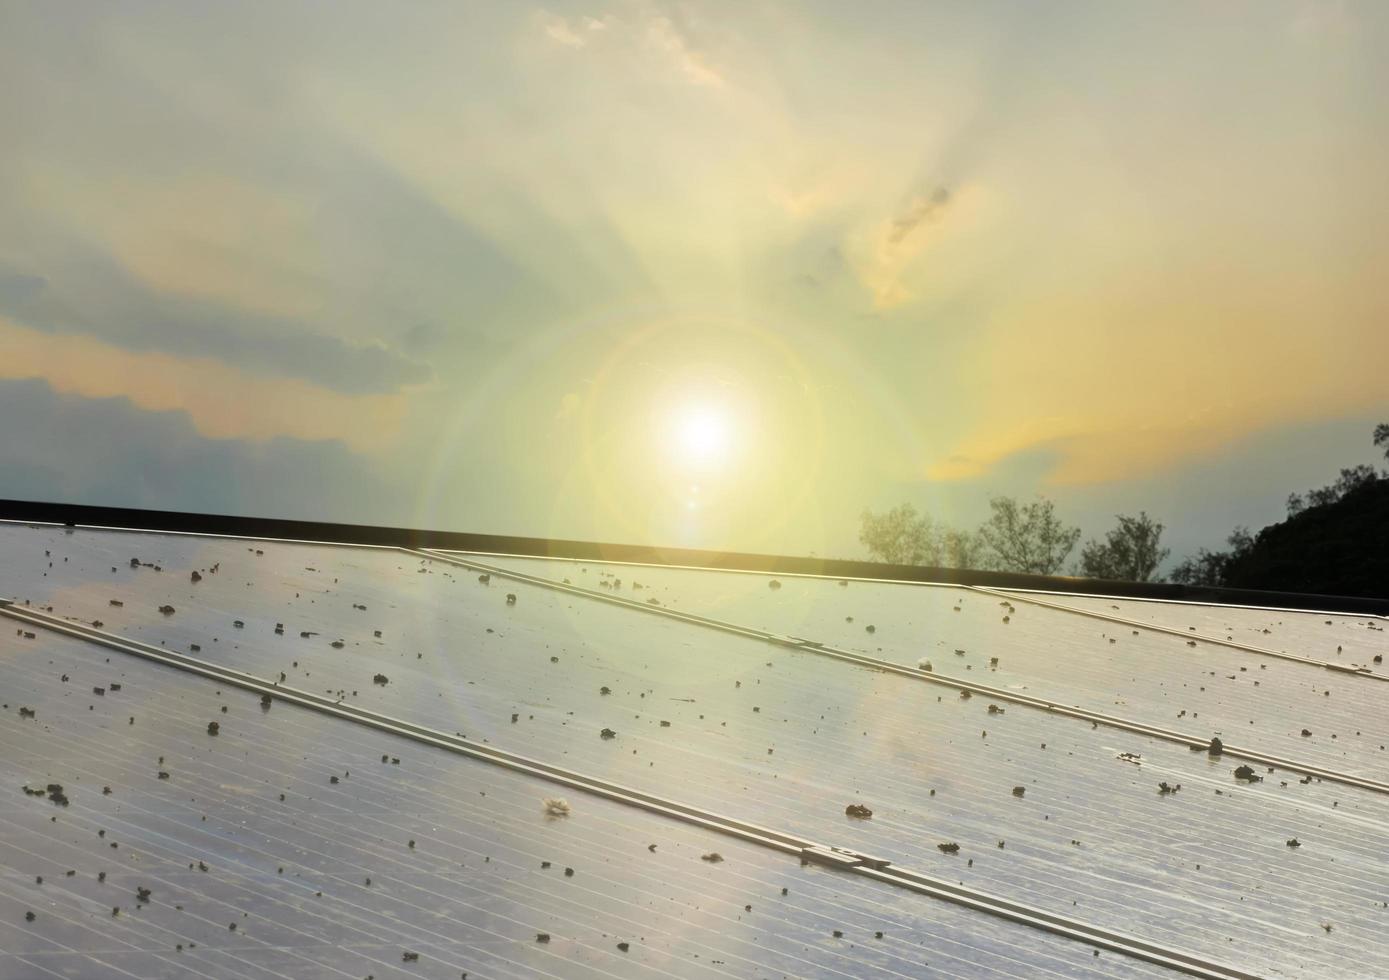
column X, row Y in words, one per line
column 700, row 435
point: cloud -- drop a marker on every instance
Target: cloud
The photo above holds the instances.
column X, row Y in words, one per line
column 575, row 34
column 18, row 288
column 885, row 254
column 219, row 400
column 663, row 36
column 920, row 211
column 651, row 33
column 107, row 451
column 93, row 295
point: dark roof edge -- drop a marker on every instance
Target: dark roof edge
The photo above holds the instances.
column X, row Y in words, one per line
column 37, row 512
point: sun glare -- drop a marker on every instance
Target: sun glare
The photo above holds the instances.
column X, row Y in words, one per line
column 702, row 435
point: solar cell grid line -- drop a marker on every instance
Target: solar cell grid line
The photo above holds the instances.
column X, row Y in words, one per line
column 349, row 815
column 68, row 949
column 1367, row 674
column 1234, row 751
column 338, row 707
column 1067, row 658
column 152, row 666
column 1008, row 593
column 345, row 815
column 1026, row 915
column 156, row 879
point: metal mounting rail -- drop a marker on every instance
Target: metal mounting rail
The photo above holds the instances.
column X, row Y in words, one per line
column 1364, row 672
column 887, row 666
column 808, row 851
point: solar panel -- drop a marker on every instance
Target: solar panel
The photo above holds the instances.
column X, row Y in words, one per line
column 1180, row 682
column 1101, row 825
column 331, row 848
column 1333, row 637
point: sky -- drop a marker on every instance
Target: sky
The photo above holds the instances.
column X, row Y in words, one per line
column 694, row 274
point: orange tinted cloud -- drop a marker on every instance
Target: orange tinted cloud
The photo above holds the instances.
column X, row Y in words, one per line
column 1124, row 386
column 222, row 402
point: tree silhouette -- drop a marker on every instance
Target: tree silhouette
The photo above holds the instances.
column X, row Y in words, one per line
column 900, row 536
column 963, row 549
column 1027, row 537
column 1213, row 567
column 1351, row 478
column 1129, row 552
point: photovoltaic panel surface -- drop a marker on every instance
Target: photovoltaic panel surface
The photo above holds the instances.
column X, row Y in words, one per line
column 286, row 846
column 1175, row 682
column 1337, row 638
column 783, row 737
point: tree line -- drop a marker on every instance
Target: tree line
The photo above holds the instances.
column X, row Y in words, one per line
column 1030, row 537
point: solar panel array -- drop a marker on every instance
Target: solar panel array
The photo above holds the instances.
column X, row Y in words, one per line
column 336, row 761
